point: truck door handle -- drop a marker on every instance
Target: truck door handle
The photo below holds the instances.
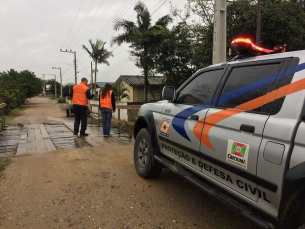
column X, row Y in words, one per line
column 247, row 128
column 194, row 117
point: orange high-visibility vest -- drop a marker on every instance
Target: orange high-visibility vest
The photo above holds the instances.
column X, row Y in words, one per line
column 79, row 94
column 106, row 102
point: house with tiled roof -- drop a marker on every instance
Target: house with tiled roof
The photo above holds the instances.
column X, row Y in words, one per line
column 135, row 85
column 99, row 85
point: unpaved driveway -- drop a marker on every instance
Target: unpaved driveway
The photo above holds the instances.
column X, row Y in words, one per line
column 97, row 187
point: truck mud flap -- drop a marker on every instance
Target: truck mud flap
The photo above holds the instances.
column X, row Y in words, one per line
column 225, row 199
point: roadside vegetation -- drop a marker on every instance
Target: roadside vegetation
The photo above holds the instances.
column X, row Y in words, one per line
column 17, row 87
column 4, row 162
column 11, row 115
column 99, row 55
column 178, row 51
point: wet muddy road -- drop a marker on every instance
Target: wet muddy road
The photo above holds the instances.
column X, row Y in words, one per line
column 97, row 187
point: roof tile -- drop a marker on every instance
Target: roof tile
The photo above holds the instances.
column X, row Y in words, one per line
column 134, row 80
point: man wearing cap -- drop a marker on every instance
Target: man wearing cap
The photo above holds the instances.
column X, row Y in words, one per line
column 80, row 95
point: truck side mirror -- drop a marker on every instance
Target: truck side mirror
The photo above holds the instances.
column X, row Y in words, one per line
column 168, row 93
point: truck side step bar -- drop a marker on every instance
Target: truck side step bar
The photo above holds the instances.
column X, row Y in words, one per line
column 225, row 199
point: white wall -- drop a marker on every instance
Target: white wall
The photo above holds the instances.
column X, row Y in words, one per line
column 123, row 114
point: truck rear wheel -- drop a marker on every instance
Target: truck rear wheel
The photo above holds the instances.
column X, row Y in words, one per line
column 144, row 163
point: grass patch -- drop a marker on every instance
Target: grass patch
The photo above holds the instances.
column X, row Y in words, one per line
column 3, row 163
column 13, row 113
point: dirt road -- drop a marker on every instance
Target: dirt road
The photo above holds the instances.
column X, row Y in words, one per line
column 97, row 187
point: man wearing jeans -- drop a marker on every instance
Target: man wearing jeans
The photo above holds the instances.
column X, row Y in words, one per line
column 80, row 95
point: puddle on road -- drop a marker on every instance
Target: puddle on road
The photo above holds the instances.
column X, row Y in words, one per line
column 50, row 136
column 63, row 138
column 116, row 138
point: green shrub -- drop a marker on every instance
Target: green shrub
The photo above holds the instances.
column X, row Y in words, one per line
column 3, row 163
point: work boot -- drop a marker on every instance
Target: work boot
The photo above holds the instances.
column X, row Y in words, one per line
column 84, row 134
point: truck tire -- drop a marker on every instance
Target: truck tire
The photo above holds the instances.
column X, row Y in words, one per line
column 144, row 163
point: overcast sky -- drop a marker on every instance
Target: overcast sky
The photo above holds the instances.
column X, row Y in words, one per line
column 34, row 31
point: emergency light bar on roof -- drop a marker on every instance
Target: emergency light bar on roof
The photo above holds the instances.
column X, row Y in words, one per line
column 245, row 46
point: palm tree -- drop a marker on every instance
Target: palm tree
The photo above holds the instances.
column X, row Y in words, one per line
column 121, row 92
column 142, row 37
column 98, row 54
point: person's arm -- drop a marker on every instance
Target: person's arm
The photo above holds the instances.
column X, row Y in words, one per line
column 99, row 100
column 88, row 94
column 113, row 101
column 71, row 94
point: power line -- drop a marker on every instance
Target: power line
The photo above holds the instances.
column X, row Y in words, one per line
column 105, row 30
column 82, row 23
column 128, row 18
column 124, row 7
column 105, row 33
column 156, row 4
column 73, row 23
column 158, row 8
column 118, row 11
column 86, row 69
column 70, row 30
column 69, row 78
column 89, row 23
column 114, row 15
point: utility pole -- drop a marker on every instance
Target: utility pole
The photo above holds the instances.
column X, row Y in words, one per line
column 75, row 66
column 259, row 23
column 44, row 85
column 55, row 85
column 60, row 80
column 220, row 32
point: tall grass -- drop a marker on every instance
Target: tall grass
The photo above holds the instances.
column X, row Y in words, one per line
column 13, row 113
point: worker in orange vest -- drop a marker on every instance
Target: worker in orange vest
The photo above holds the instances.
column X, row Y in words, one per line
column 80, row 95
column 107, row 106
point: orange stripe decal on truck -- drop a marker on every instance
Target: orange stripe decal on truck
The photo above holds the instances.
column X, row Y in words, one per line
column 212, row 119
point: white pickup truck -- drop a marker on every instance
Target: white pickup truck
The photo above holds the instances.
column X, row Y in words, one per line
column 237, row 131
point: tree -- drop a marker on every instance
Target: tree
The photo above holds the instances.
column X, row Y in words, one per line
column 202, row 8
column 98, row 54
column 67, row 89
column 52, row 86
column 142, row 38
column 121, row 92
column 182, row 52
column 16, row 87
column 283, row 22
column 30, row 84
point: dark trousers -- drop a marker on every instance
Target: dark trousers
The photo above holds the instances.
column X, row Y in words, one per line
column 80, row 114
